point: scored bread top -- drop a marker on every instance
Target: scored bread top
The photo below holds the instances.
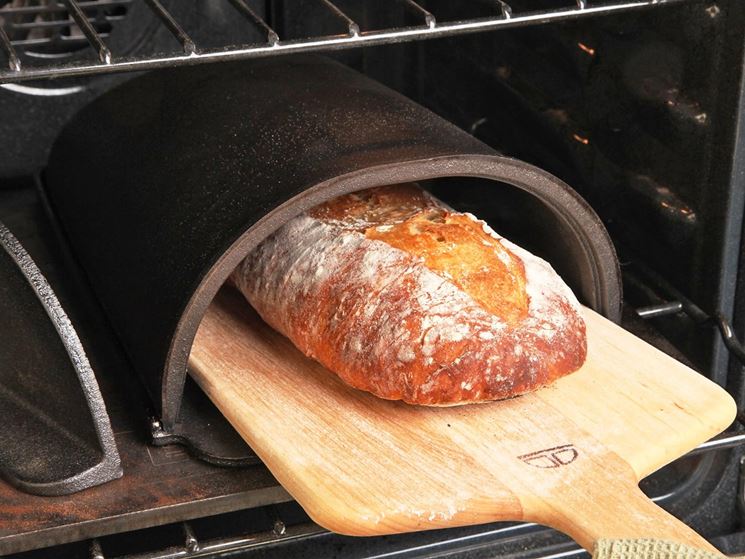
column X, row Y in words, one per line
column 404, row 298
column 453, row 245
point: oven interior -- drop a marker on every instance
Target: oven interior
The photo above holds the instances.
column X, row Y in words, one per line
column 640, row 110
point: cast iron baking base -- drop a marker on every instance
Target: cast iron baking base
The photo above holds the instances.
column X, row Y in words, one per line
column 160, row 485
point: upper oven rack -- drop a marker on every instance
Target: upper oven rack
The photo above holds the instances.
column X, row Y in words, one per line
column 351, row 34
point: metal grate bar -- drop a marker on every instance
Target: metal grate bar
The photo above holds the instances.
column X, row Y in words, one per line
column 354, row 29
column 191, row 543
column 173, row 26
column 104, row 54
column 45, row 41
column 52, row 23
column 271, row 36
column 314, row 44
column 429, row 19
column 14, row 63
column 57, row 7
column 720, row 443
column 505, row 8
column 193, row 548
column 95, row 550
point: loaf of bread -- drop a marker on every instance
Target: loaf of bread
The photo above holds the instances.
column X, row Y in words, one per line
column 409, row 300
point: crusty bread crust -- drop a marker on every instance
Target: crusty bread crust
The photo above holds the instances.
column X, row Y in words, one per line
column 408, row 300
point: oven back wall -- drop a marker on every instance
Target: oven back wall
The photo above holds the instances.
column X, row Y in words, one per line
column 637, row 112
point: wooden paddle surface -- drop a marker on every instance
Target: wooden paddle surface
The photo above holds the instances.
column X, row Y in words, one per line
column 569, row 455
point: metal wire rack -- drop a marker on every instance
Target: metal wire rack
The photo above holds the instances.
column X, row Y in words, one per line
column 87, row 24
column 281, row 532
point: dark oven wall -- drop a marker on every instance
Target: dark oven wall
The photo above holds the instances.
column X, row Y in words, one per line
column 638, row 112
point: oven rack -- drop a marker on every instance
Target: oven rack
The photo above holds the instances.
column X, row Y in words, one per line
column 77, row 14
column 282, row 534
column 282, row 531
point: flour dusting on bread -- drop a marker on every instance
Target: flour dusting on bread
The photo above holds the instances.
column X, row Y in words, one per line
column 384, row 321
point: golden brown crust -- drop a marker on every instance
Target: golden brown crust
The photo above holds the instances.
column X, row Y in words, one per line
column 377, row 206
column 449, row 243
column 364, row 285
column 457, row 248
